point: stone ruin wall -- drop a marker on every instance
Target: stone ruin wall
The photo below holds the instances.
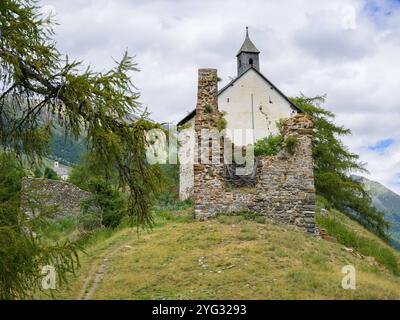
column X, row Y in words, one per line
column 284, row 184
column 40, row 192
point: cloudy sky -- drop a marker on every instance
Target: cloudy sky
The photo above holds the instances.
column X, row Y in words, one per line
column 347, row 49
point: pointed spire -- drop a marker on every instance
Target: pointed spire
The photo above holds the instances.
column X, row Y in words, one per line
column 248, row 45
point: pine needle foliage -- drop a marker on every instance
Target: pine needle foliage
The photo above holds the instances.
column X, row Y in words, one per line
column 37, row 82
column 40, row 89
column 333, row 166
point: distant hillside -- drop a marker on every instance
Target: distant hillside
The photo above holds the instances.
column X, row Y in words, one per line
column 67, row 151
column 389, row 203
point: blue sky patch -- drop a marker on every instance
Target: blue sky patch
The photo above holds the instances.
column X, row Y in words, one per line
column 381, row 146
column 371, row 8
column 379, row 7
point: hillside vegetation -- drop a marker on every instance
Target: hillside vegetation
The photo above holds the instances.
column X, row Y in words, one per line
column 233, row 257
column 388, row 202
column 66, row 149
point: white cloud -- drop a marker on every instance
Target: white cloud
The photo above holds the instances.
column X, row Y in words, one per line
column 349, row 17
column 347, row 49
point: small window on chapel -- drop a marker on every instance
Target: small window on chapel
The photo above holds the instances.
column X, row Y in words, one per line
column 251, row 62
column 227, row 99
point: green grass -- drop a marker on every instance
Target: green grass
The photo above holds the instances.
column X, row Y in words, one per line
column 363, row 245
column 230, row 219
column 173, row 205
column 248, row 233
column 240, row 216
column 231, row 257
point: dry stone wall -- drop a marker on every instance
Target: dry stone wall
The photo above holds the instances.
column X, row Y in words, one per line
column 284, row 184
column 63, row 196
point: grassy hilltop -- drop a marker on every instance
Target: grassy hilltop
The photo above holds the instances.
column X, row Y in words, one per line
column 233, row 257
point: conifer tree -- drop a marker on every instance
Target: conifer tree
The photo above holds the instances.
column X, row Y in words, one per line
column 40, row 88
column 37, row 83
column 334, row 165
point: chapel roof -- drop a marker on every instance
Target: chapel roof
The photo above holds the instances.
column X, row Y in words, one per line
column 231, row 84
column 248, row 45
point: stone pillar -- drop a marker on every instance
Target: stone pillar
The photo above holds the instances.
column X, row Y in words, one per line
column 301, row 126
column 208, row 175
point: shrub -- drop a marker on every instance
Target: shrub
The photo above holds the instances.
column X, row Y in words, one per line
column 208, row 108
column 221, row 122
column 49, row 173
column 90, row 220
column 105, row 201
column 56, row 228
column 271, row 145
column 248, row 214
column 169, row 194
column 37, row 172
column 291, row 143
column 268, row 146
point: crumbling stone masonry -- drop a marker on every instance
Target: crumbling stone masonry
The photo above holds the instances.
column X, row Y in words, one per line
column 42, row 193
column 284, row 184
